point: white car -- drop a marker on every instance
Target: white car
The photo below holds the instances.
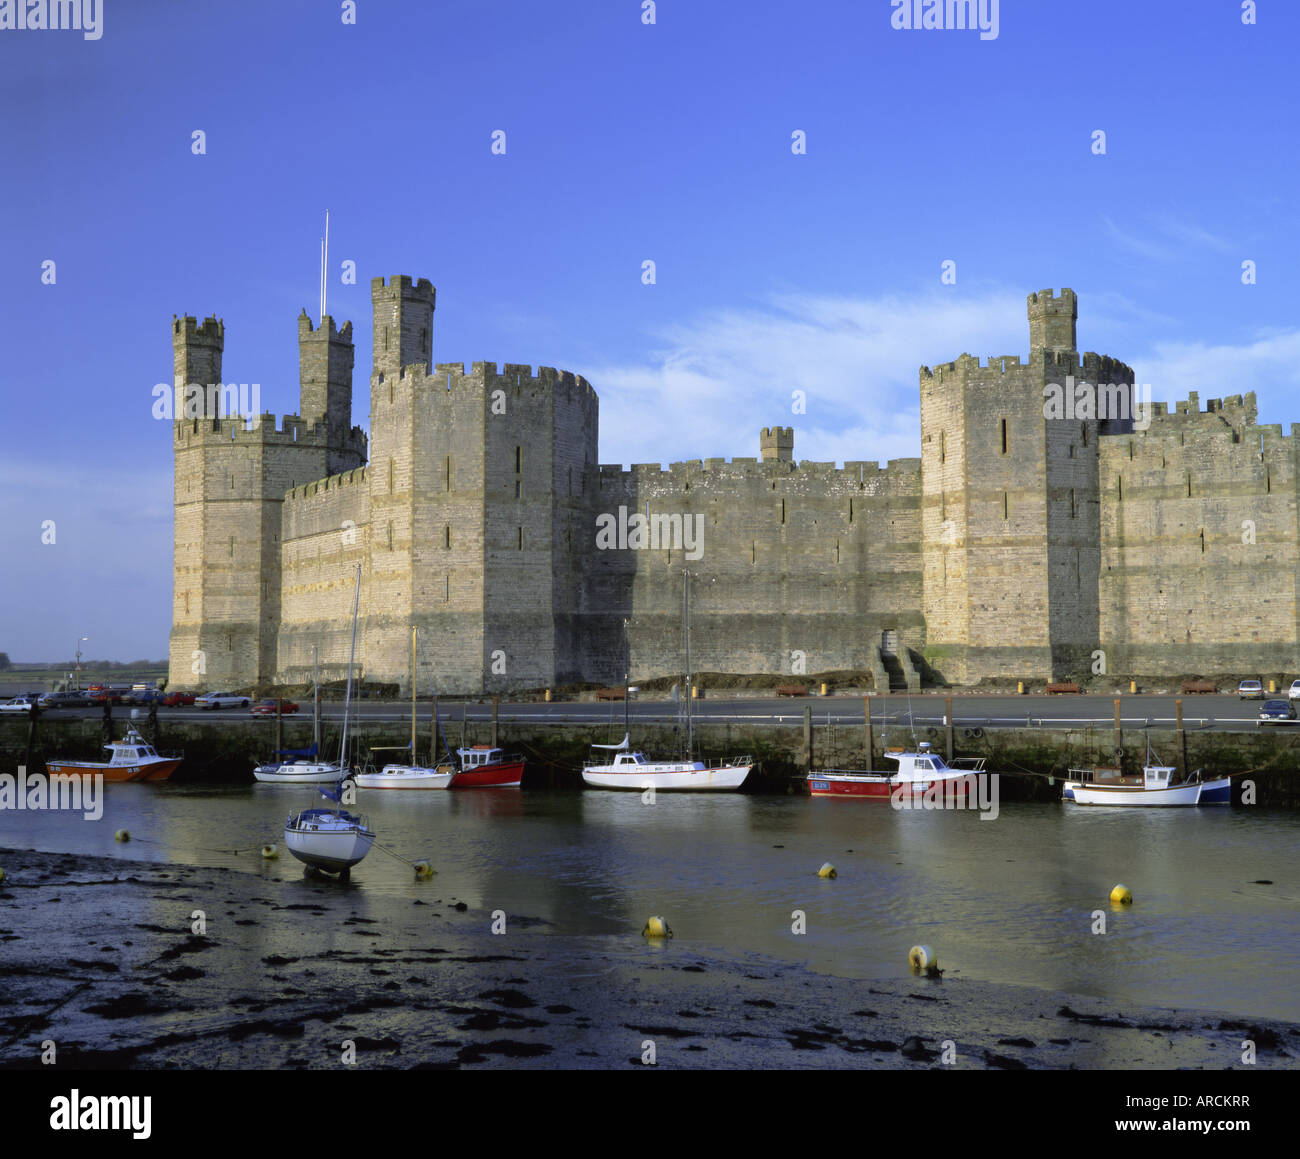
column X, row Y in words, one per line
column 1294, row 694
column 221, row 700
column 1250, row 690
column 17, row 704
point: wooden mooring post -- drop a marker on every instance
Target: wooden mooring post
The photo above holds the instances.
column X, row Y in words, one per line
column 947, row 717
column 496, row 733
column 871, row 740
column 807, row 738
column 1119, row 732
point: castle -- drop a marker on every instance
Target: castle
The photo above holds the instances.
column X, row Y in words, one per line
column 1026, row 542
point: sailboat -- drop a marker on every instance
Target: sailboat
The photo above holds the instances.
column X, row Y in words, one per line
column 301, row 766
column 410, row 776
column 627, row 769
column 333, row 839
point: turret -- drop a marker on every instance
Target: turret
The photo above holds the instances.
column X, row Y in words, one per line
column 325, row 360
column 403, row 323
column 1052, row 321
column 196, row 354
column 776, row 444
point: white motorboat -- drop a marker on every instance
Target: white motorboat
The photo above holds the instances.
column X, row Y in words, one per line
column 1155, row 787
column 919, row 773
column 636, row 771
column 332, row 839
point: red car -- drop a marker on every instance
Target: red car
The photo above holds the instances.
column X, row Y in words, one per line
column 173, row 699
column 267, row 708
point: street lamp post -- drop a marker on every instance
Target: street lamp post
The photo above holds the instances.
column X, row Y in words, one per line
column 78, row 677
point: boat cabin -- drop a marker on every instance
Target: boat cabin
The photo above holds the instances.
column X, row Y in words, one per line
column 478, row 756
column 131, row 750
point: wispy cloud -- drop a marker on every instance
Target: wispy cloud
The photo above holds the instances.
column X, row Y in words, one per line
column 713, row 382
column 1165, row 237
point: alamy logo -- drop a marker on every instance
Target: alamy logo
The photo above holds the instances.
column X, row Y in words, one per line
column 86, row 16
column 1083, row 400
column 648, row 532
column 217, row 400
column 65, row 791
column 978, row 791
column 102, row 1113
column 948, row 15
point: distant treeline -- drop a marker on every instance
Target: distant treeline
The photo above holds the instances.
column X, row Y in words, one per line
column 6, row 665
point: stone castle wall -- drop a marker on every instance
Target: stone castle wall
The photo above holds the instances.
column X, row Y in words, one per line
column 1021, row 544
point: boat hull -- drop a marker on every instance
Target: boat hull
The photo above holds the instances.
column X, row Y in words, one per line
column 159, row 770
column 405, row 777
column 1217, row 792
column 499, row 775
column 327, row 844
column 313, row 774
column 879, row 787
column 690, row 778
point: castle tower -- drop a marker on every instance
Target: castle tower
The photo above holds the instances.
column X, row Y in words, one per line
column 325, row 360
column 1011, row 507
column 776, row 444
column 196, row 354
column 403, row 323
column 1052, row 321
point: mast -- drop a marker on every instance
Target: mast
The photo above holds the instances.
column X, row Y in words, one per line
column 347, row 702
column 315, row 702
column 414, row 630
column 686, row 616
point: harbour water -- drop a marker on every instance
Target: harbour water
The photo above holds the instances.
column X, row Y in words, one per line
column 1012, row 900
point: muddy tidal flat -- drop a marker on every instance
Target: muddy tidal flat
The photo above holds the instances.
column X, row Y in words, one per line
column 100, row 957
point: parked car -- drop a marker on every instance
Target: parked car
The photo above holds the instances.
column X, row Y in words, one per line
column 64, row 700
column 148, row 696
column 267, row 707
column 111, row 695
column 215, row 700
column 18, row 704
column 1250, row 690
column 1294, row 694
column 173, row 699
column 1276, row 712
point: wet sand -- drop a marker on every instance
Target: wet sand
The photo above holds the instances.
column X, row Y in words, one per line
column 98, row 955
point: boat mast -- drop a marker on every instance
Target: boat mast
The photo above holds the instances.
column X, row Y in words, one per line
column 347, row 702
column 686, row 616
column 414, row 630
column 315, row 702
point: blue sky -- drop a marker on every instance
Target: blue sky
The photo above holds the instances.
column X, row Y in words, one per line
column 625, row 142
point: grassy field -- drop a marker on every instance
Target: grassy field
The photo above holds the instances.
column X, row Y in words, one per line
column 44, row 677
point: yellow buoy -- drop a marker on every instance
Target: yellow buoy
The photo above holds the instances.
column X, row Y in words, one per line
column 922, row 958
column 423, row 870
column 2, row 875
column 656, row 927
column 1122, row 895
column 827, row 870
column 121, row 835
column 270, row 852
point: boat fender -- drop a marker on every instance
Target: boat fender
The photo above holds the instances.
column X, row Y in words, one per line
column 656, row 927
column 1121, row 895
column 423, row 871
column 827, row 870
column 270, row 852
column 922, row 958
column 122, row 835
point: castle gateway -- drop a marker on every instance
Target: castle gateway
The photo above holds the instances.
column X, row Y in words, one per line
column 1026, row 540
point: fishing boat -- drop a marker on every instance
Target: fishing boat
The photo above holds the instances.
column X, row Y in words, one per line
column 1155, row 786
column 133, row 759
column 919, row 772
column 332, row 839
column 483, row 766
column 633, row 770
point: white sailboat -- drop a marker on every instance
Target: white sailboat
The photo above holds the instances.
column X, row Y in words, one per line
column 302, row 767
column 633, row 770
column 410, row 776
column 333, row 839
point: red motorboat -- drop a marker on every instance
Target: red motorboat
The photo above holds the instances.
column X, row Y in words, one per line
column 485, row 767
column 918, row 773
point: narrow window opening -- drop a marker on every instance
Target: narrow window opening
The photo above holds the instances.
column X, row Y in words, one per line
column 1119, row 487
column 943, row 446
column 1073, row 510
column 516, row 488
column 1083, row 430
column 519, row 459
column 1004, row 436
column 850, row 510
column 446, row 536
column 390, row 535
column 1189, row 484
column 782, row 510
column 521, row 539
column 1005, row 506
column 448, row 486
column 1202, row 540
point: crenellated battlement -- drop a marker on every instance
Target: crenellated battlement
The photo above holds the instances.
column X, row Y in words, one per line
column 211, row 331
column 453, row 376
column 1235, row 413
column 1090, row 366
column 403, row 284
column 265, row 429
column 853, row 475
column 326, row 331
column 332, row 483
